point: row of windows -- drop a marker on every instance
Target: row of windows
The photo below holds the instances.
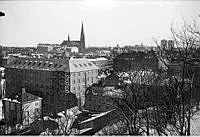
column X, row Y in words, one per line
column 83, row 65
column 78, row 88
column 83, row 80
column 83, row 73
column 36, row 63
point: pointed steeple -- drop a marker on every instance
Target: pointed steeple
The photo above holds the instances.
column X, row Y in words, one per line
column 82, row 40
column 82, row 33
column 68, row 37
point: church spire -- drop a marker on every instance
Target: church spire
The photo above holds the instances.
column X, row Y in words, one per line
column 82, row 40
column 82, row 33
column 68, row 37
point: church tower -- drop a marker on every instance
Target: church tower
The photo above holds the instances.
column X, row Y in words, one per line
column 82, row 40
column 68, row 37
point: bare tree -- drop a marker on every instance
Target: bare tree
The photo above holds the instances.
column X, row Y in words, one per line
column 136, row 107
column 183, row 56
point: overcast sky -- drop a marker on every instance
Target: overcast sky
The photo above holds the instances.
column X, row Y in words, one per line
column 106, row 22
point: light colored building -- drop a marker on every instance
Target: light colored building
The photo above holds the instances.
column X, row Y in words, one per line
column 31, row 107
column 74, row 49
column 167, row 44
column 44, row 48
column 83, row 73
column 22, row 112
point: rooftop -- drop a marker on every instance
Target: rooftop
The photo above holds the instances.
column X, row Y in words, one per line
column 26, row 97
column 40, row 64
column 77, row 65
column 95, row 116
column 71, row 43
column 98, row 59
column 72, row 65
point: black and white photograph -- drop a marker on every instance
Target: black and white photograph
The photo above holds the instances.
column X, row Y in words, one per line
column 100, row 67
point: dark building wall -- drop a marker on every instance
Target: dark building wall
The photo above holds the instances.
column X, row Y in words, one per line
column 98, row 103
column 52, row 86
column 135, row 61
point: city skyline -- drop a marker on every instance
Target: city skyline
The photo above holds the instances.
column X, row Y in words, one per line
column 106, row 23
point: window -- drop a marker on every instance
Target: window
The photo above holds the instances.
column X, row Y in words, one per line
column 74, row 74
column 26, row 117
column 74, row 81
column 80, row 65
column 92, row 79
column 15, row 62
column 79, row 81
column 83, row 80
column 55, row 65
column 74, row 88
column 36, row 103
column 85, row 65
column 49, row 65
column 75, row 65
column 79, row 73
column 19, row 62
column 33, row 63
column 90, row 64
column 79, row 88
column 88, row 78
column 36, row 112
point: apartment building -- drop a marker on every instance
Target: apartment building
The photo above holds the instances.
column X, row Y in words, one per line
column 83, row 73
column 58, row 81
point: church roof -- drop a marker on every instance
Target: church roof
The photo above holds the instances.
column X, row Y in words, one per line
column 71, row 43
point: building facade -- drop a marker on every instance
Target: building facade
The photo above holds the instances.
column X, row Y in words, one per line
column 136, row 61
column 83, row 74
column 58, row 81
column 46, row 78
column 44, row 48
column 24, row 112
column 167, row 44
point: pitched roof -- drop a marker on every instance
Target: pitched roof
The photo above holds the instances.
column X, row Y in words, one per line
column 40, row 64
column 71, row 43
column 28, row 97
column 77, row 65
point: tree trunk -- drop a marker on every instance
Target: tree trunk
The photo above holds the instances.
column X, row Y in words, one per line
column 147, row 119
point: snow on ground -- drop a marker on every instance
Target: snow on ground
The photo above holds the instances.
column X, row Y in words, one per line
column 195, row 124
